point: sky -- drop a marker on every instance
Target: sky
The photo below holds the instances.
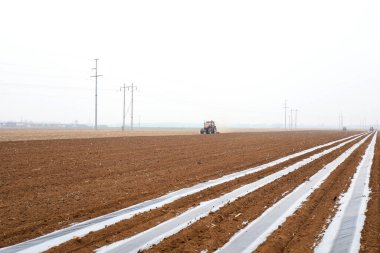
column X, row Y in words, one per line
column 235, row 62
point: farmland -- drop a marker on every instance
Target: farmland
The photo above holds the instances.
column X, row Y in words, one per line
column 14, row 134
column 50, row 185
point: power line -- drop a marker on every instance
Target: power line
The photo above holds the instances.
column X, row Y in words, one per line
column 132, row 88
column 96, row 92
column 43, row 86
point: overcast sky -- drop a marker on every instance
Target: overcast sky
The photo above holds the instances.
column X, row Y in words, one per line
column 231, row 61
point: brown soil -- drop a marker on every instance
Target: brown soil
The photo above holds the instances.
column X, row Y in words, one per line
column 216, row 229
column 24, row 134
column 302, row 230
column 150, row 219
column 46, row 185
column 370, row 240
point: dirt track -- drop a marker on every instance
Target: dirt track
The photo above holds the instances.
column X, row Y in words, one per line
column 46, row 185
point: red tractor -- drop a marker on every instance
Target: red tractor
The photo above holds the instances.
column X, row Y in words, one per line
column 209, row 127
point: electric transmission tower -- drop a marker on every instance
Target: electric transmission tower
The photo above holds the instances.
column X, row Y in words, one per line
column 132, row 88
column 123, row 87
column 96, row 92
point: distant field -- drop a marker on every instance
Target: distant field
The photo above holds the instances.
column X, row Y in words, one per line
column 47, row 134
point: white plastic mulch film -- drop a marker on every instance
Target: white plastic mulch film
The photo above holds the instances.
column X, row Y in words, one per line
column 256, row 232
column 170, row 227
column 343, row 233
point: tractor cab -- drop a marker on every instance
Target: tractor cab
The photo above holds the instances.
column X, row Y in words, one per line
column 209, row 127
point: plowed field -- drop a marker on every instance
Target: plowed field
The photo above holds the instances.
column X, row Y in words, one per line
column 47, row 185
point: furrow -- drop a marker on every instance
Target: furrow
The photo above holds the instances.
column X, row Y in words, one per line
column 370, row 239
column 343, row 233
column 212, row 232
column 249, row 238
column 147, row 220
column 148, row 238
column 300, row 231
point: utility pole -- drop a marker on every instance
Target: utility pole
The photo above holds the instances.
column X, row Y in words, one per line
column 123, row 87
column 96, row 92
column 295, row 120
column 132, row 88
column 285, row 107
